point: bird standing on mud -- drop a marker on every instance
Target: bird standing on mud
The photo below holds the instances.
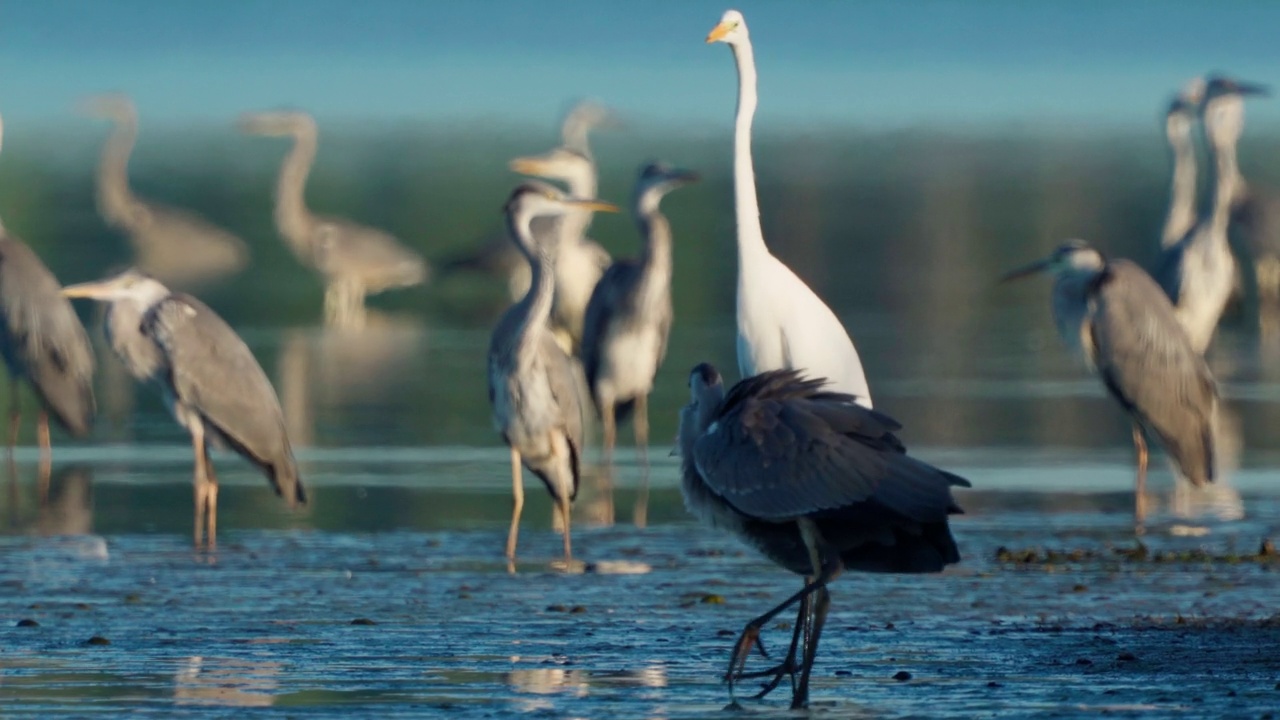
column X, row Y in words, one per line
column 818, row 484
column 1114, row 316
column 210, row 381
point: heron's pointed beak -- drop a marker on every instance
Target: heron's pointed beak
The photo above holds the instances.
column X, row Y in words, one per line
column 718, row 32
column 101, row 290
column 529, row 166
column 685, row 177
column 1248, row 89
column 1038, row 266
column 596, row 205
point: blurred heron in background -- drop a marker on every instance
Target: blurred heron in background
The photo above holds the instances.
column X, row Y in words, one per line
column 354, row 260
column 44, row 344
column 1198, row 271
column 628, row 321
column 818, row 484
column 1118, row 320
column 533, row 385
column 782, row 323
column 579, row 260
column 175, row 245
column 210, row 381
column 1180, row 122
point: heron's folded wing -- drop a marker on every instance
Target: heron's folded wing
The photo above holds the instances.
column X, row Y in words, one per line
column 613, row 286
column 776, row 459
column 562, row 374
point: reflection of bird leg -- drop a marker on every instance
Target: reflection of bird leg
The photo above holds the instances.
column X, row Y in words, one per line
column 640, row 513
column 750, row 636
column 46, row 472
column 1140, row 487
column 788, row 666
column 201, row 481
column 46, row 445
column 517, row 491
column 15, row 414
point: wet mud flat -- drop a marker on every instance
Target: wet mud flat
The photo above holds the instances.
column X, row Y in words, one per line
column 1052, row 614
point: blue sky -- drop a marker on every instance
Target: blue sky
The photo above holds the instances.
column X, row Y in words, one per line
column 875, row 63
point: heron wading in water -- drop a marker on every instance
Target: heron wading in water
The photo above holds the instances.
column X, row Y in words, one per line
column 533, row 385
column 209, row 379
column 818, row 484
column 1114, row 316
column 175, row 245
column 44, row 344
column 782, row 324
column 354, row 260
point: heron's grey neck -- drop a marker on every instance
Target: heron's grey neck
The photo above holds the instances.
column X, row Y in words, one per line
column 1182, row 193
column 575, row 221
column 535, row 306
column 115, row 199
column 1229, row 185
column 656, row 231
column 293, row 220
column 751, row 245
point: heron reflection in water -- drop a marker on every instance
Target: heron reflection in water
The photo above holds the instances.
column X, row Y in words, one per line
column 177, row 246
column 353, row 259
column 209, row 379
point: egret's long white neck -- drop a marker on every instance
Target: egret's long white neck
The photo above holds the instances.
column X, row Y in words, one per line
column 575, row 221
column 751, row 247
column 1182, row 193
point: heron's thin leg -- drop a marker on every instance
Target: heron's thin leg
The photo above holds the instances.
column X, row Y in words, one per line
column 609, row 422
column 333, row 302
column 211, row 501
column 640, row 514
column 45, row 474
column 1140, row 489
column 200, row 481
column 822, row 604
column 46, row 445
column 568, row 546
column 15, row 413
column 517, row 492
column 788, row 666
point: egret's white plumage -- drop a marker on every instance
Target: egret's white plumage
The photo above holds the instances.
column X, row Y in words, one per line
column 782, row 323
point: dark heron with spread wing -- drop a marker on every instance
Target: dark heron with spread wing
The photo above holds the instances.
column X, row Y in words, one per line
column 818, row 484
column 533, row 386
column 1111, row 313
column 209, row 378
column 43, row 343
column 629, row 318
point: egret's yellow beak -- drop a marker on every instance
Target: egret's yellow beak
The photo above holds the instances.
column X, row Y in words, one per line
column 596, row 205
column 719, row 31
column 92, row 290
column 528, row 166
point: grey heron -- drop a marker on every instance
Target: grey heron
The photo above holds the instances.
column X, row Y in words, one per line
column 1113, row 315
column 579, row 260
column 175, row 245
column 209, row 379
column 1179, row 124
column 815, row 482
column 782, row 323
column 533, row 386
column 629, row 317
column 354, row 260
column 1198, row 272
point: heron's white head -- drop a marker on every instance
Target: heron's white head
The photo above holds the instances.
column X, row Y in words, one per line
column 114, row 106
column 584, row 117
column 560, row 164
column 1223, row 108
column 533, row 198
column 276, row 123
column 130, row 286
column 1071, row 256
column 1183, row 109
column 732, row 29
column 656, row 180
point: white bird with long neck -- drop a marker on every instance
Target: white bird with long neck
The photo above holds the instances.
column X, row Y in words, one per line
column 782, row 323
column 1179, row 127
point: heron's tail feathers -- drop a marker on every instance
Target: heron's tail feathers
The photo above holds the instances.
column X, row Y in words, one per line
column 286, row 482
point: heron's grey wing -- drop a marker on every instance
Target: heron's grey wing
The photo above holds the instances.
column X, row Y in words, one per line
column 1147, row 362
column 562, row 374
column 377, row 257
column 215, row 374
column 780, row 453
column 43, row 337
column 608, row 295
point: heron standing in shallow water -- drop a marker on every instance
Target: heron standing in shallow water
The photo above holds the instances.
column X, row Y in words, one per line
column 818, row 484
column 354, row 260
column 176, row 245
column 42, row 342
column 210, row 381
column 579, row 260
column 629, row 319
column 533, row 386
column 1118, row 320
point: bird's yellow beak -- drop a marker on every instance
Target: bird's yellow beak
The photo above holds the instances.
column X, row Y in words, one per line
column 91, row 290
column 596, row 205
column 528, row 166
column 719, row 31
